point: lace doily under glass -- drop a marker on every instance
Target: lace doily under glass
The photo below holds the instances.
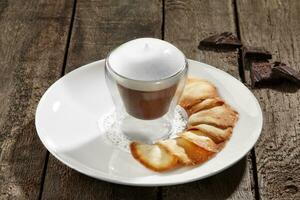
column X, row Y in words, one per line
column 114, row 136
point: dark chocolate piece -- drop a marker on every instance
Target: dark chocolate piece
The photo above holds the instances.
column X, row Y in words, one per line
column 281, row 69
column 225, row 40
column 256, row 53
column 261, row 73
column 253, row 53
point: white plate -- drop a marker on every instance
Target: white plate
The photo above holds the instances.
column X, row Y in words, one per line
column 66, row 122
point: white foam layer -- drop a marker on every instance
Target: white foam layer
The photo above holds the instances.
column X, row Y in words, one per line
column 147, row 64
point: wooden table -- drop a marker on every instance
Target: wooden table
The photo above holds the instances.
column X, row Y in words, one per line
column 42, row 40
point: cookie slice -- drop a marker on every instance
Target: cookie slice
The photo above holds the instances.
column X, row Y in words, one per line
column 172, row 147
column 218, row 135
column 221, row 116
column 153, row 157
column 205, row 104
column 195, row 91
column 201, row 141
column 195, row 153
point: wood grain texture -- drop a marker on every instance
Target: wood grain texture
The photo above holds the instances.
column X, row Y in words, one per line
column 32, row 44
column 276, row 25
column 99, row 27
column 102, row 25
column 186, row 24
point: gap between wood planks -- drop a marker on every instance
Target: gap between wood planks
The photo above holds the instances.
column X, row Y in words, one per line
column 242, row 76
column 163, row 20
column 238, row 33
column 61, row 74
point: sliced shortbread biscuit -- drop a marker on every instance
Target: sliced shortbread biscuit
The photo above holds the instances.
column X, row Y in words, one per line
column 195, row 153
column 221, row 116
column 153, row 156
column 201, row 141
column 218, row 135
column 195, row 91
column 172, row 147
column 205, row 104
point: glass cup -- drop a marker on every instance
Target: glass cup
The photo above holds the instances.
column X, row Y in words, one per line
column 145, row 86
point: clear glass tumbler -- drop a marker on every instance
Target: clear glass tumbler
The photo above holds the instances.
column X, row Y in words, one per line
column 146, row 78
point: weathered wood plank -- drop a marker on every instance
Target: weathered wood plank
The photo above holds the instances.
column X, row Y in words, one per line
column 276, row 25
column 186, row 24
column 99, row 27
column 102, row 25
column 32, row 45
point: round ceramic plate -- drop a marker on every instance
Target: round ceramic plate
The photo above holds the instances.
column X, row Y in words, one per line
column 67, row 123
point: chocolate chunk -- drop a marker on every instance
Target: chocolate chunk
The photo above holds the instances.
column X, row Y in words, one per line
column 281, row 69
column 223, row 40
column 256, row 53
column 261, row 73
column 253, row 53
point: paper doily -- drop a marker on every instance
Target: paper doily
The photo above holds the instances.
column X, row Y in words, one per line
column 114, row 135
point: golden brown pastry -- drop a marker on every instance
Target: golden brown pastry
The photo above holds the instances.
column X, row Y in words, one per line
column 195, row 91
column 218, row 135
column 153, row 156
column 195, row 153
column 205, row 104
column 200, row 140
column 176, row 150
column 221, row 116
